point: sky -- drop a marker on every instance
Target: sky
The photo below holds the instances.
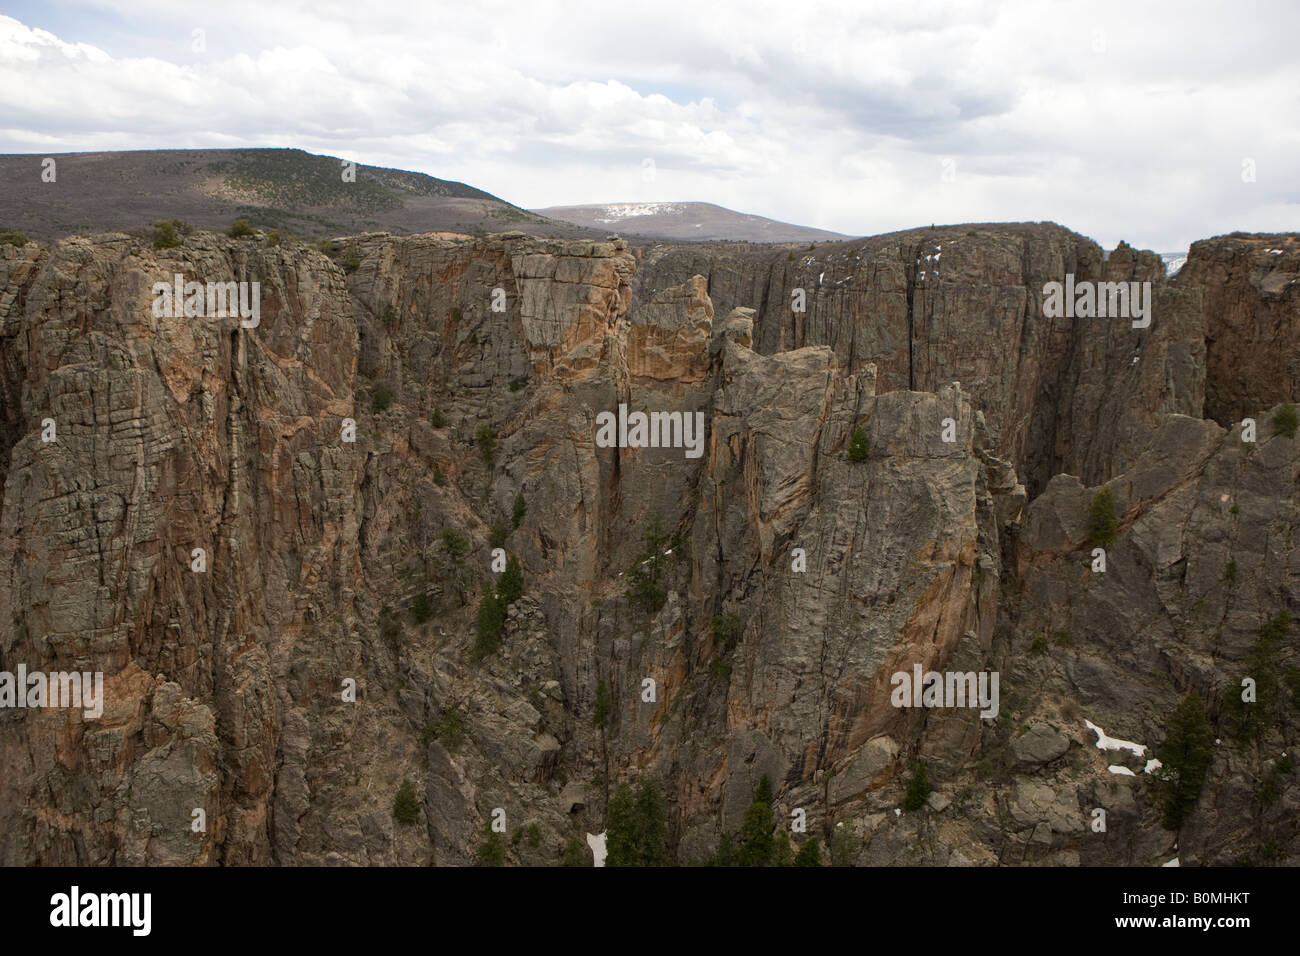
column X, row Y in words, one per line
column 1157, row 124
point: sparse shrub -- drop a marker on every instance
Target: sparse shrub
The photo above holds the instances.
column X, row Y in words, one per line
column 517, row 383
column 1038, row 645
column 439, row 420
column 972, row 234
column 164, row 235
column 273, row 237
column 843, row 846
column 726, row 631
column 421, row 608
column 497, row 536
column 486, row 440
column 918, row 789
column 456, row 314
column 1184, row 757
column 574, row 853
column 810, row 854
column 11, row 237
column 520, row 509
column 859, row 445
column 390, row 316
column 719, row 669
column 491, row 849
column 381, row 397
column 1103, row 522
column 1285, row 420
column 600, row 712
column 1230, row 572
column 406, row 805
column 448, row 730
column 240, row 229
column 439, row 478
column 812, row 246
column 1270, row 788
column 1292, row 679
column 533, row 836
column 790, row 256
column 1063, row 638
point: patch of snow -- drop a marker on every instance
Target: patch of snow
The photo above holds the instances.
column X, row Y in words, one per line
column 632, row 210
column 1152, row 764
column 1114, row 743
column 597, row 843
column 897, row 812
column 1122, row 771
column 1173, row 862
column 820, row 277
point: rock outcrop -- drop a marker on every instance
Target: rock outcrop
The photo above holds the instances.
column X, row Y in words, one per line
column 346, row 468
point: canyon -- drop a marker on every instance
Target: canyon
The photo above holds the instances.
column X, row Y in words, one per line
column 331, row 560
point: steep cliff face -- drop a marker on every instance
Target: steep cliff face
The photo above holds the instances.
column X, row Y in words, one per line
column 792, row 580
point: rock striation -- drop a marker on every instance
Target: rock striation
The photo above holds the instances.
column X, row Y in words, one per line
column 348, row 466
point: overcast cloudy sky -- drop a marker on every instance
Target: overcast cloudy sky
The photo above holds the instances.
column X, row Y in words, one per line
column 1121, row 120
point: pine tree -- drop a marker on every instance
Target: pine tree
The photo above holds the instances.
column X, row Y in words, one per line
column 1103, row 523
column 1262, row 665
column 725, row 854
column 406, row 805
column 858, row 445
column 637, row 827
column 757, row 845
column 918, row 790
column 491, row 622
column 511, row 588
column 644, row 588
column 652, row 825
column 1185, row 757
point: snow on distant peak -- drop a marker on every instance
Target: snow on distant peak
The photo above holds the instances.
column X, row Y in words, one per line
column 620, row 211
column 1173, row 261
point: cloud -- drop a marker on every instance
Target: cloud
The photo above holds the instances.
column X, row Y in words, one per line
column 1118, row 120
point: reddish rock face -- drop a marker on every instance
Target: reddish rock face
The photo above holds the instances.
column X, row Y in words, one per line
column 348, row 466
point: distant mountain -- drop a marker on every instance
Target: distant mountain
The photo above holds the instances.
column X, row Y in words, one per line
column 1173, row 261
column 684, row 220
column 286, row 189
